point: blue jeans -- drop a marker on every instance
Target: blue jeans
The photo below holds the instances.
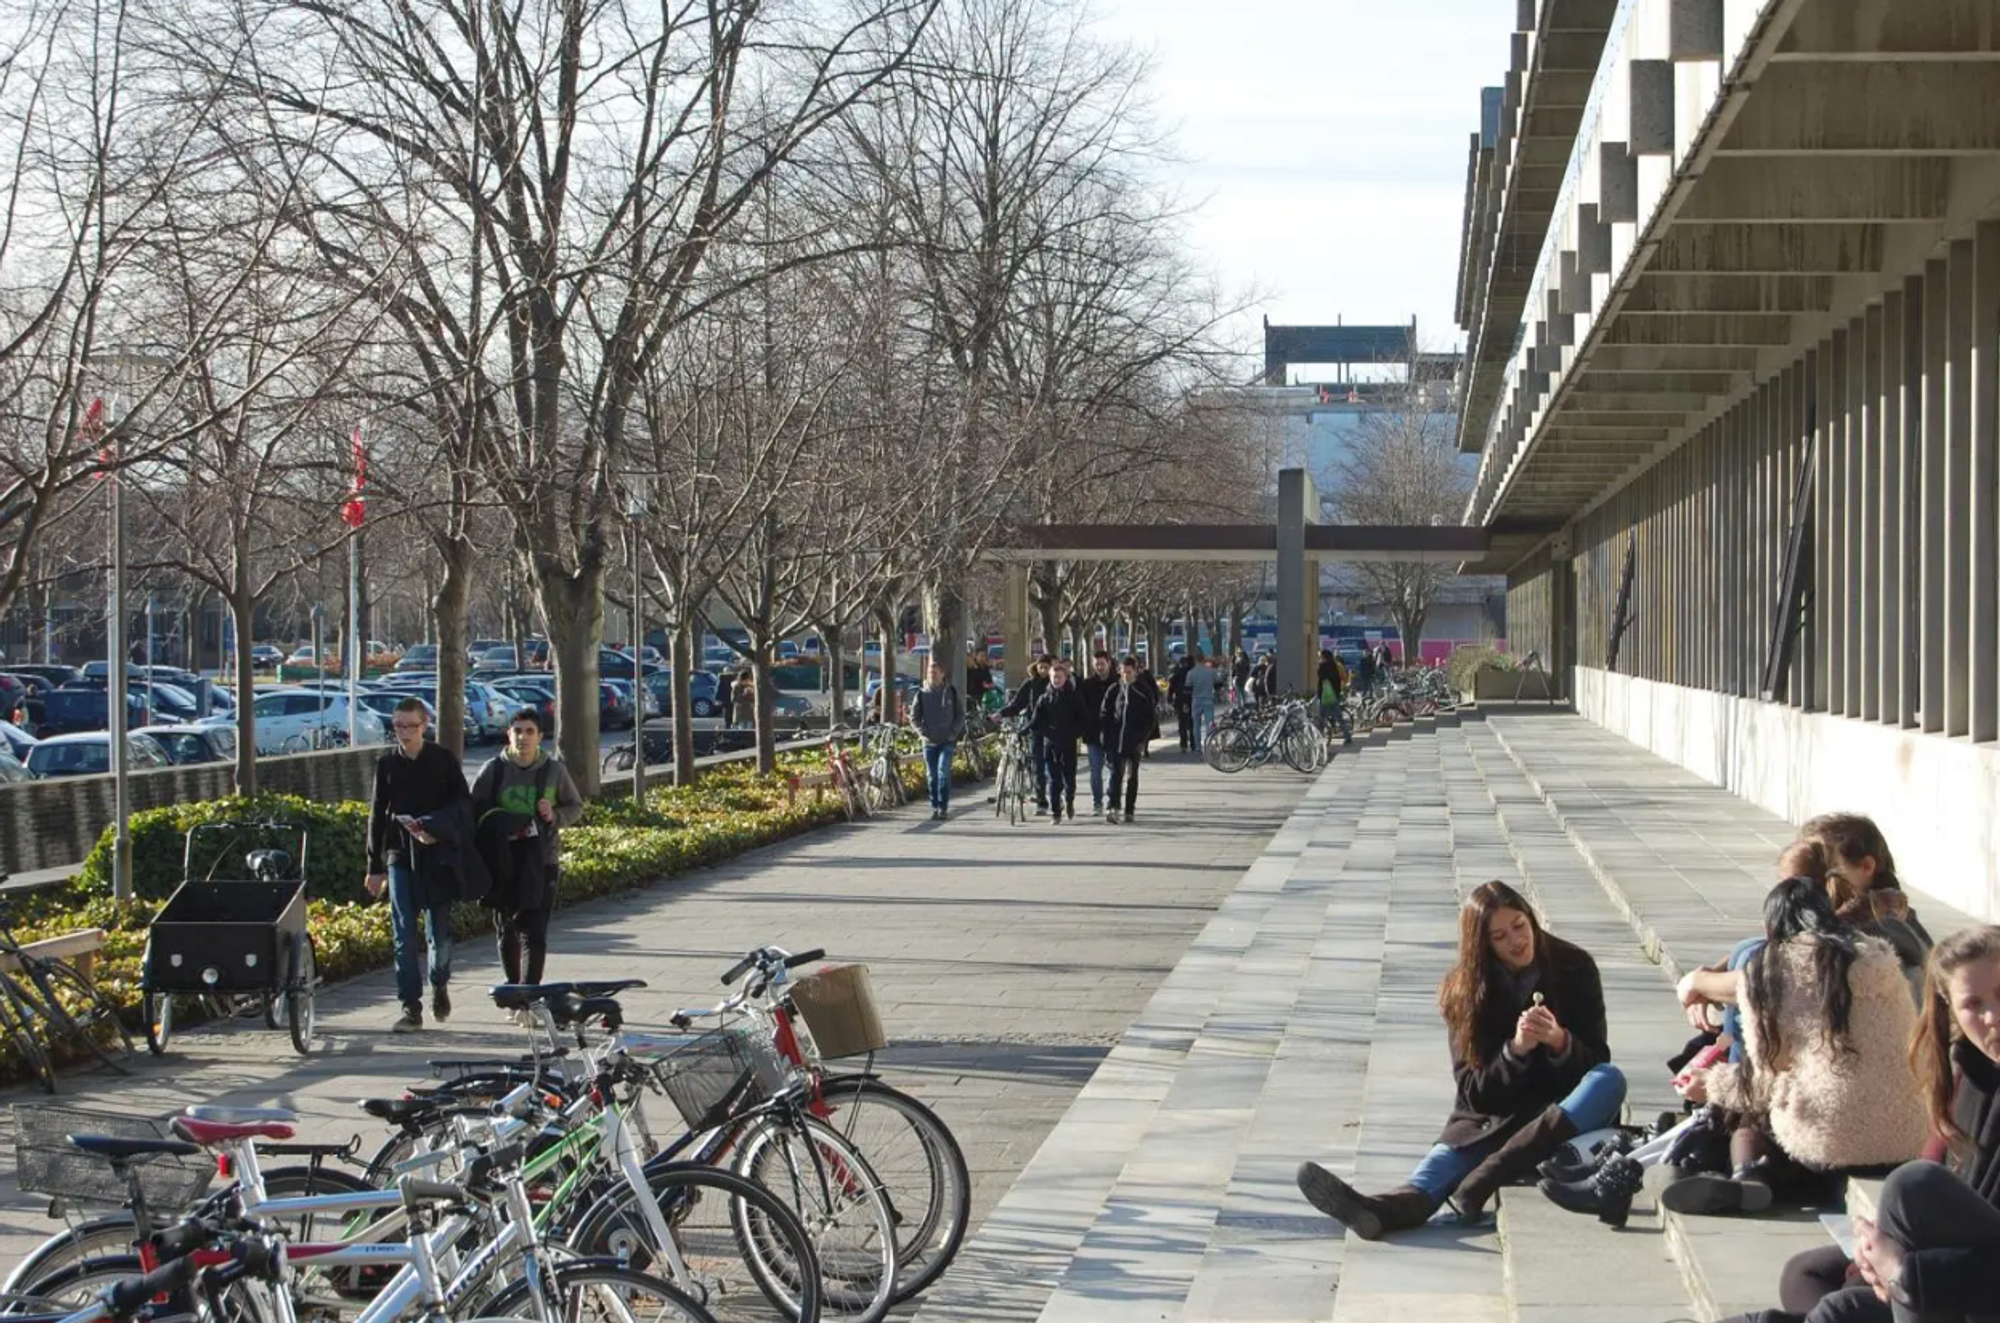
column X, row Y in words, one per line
column 1592, row 1105
column 1096, row 777
column 1732, row 1012
column 1204, row 717
column 937, row 772
column 403, row 912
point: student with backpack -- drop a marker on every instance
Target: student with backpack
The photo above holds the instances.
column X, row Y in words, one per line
column 938, row 715
column 522, row 800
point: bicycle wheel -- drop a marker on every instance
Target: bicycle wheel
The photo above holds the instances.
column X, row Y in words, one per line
column 159, row 1011
column 619, row 759
column 301, row 1017
column 594, row 1293
column 1299, row 746
column 1229, row 750
column 82, row 1011
column 921, row 1168
column 100, row 1237
column 773, row 1278
column 17, row 1016
column 834, row 1191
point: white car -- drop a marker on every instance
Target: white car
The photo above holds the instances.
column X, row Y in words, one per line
column 88, row 753
column 288, row 719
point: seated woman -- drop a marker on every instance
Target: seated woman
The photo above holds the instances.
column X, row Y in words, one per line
column 1525, row 1012
column 1935, row 1253
column 1823, row 1080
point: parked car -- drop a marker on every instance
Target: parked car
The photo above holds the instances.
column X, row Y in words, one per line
column 615, row 665
column 382, row 702
column 83, row 707
column 88, row 753
column 704, row 691
column 170, row 701
column 291, row 716
column 521, row 693
column 857, row 704
column 419, row 657
column 788, row 651
column 15, row 740
column 502, row 657
column 265, row 657
column 53, row 673
column 614, row 708
column 12, row 769
column 184, row 744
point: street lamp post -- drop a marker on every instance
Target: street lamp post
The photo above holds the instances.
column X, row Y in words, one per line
column 635, row 514
column 319, row 671
column 114, row 691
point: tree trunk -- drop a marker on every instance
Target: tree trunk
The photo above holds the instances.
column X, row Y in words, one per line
column 453, row 602
column 886, row 694
column 762, row 704
column 1235, row 629
column 683, row 699
column 574, row 605
column 1051, row 613
column 242, row 610
column 834, row 654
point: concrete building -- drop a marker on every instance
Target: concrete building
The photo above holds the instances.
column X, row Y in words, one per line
column 1731, row 282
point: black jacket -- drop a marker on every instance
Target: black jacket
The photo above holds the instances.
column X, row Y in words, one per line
column 1024, row 699
column 1503, row 1092
column 1125, row 727
column 1951, row 1280
column 418, row 787
column 451, row 870
column 1177, row 691
column 1060, row 716
column 1092, row 690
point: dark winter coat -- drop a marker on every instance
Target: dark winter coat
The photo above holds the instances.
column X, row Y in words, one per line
column 1177, row 690
column 1091, row 689
column 521, row 852
column 1125, row 719
column 1503, row 1092
column 1060, row 715
column 409, row 786
column 938, row 714
column 1026, row 696
column 450, row 870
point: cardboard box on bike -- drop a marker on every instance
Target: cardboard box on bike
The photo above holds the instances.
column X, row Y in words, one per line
column 839, row 1010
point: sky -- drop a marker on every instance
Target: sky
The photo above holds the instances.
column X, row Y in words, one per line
column 1325, row 141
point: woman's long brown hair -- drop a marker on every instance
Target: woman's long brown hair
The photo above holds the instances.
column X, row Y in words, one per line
column 1462, row 997
column 1937, row 1025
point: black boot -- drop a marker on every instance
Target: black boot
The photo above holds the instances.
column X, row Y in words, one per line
column 1512, row 1161
column 1708, row 1193
column 1607, row 1192
column 1569, row 1166
column 1369, row 1217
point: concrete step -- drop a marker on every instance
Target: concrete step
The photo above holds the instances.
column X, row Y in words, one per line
column 1027, row 1245
column 1141, row 1257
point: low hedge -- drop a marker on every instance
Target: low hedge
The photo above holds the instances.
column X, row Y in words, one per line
column 1466, row 663
column 616, row 847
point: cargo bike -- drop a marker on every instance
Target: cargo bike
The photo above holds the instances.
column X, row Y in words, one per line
column 237, row 947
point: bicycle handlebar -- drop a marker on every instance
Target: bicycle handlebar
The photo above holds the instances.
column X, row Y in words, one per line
column 128, row 1297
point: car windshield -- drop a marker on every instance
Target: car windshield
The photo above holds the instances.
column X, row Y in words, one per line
column 83, row 758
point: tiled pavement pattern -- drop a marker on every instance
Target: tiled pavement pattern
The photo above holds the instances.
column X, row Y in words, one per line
column 1008, row 961
column 1303, row 1024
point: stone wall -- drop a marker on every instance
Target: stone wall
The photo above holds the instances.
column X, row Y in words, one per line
column 50, row 824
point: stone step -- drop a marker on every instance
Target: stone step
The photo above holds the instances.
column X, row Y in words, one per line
column 1021, row 1253
column 1141, row 1257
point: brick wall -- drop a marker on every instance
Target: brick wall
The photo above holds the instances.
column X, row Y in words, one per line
column 51, row 824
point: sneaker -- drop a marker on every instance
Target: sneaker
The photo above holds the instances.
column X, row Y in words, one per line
column 411, row 1020
column 440, row 1004
column 1126, row 817
column 1111, row 815
column 1041, row 810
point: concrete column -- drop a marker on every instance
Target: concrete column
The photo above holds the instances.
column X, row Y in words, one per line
column 1910, row 488
column 1854, row 424
column 1930, row 646
column 1014, row 623
column 1983, row 718
column 1958, row 491
column 1298, row 594
column 1828, row 564
column 1652, row 108
column 1804, row 684
column 1694, row 30
column 1888, row 514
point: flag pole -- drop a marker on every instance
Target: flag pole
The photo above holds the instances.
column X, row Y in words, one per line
column 354, row 642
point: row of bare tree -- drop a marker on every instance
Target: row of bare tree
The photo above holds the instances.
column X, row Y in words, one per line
column 795, row 302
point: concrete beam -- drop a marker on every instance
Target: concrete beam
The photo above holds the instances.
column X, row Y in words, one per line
column 1617, row 184
column 1633, row 402
column 1820, row 189
column 1599, row 379
column 1560, row 431
column 1653, row 294
column 1779, row 250
column 1863, row 29
column 1699, row 330
column 1588, row 419
column 1652, row 108
column 1694, row 30
column 1672, row 358
column 1925, row 108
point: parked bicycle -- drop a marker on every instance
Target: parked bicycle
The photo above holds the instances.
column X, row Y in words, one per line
column 49, row 1007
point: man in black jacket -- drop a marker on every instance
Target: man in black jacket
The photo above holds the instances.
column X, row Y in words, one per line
column 414, row 781
column 1060, row 718
column 1022, row 704
column 1091, row 689
column 1125, row 724
column 1177, row 694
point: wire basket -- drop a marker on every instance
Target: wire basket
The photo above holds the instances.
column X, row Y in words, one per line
column 45, row 1162
column 701, row 1079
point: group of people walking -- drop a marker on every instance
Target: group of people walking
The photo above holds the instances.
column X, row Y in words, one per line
column 1838, row 1042
column 1112, row 711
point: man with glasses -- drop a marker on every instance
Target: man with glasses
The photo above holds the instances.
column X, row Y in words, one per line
column 413, row 781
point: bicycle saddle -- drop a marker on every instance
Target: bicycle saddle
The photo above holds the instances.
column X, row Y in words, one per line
column 609, row 987
column 520, row 996
column 110, row 1146
column 242, row 1115
column 210, row 1133
column 398, row 1110
column 573, row 1009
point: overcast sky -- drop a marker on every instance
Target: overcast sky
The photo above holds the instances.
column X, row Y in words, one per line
column 1327, row 140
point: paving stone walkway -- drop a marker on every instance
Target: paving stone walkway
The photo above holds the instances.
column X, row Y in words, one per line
column 1008, row 961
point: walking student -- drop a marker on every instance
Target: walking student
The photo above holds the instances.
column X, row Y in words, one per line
column 938, row 714
column 1092, row 689
column 1333, row 693
column 1022, row 704
column 523, row 799
column 1125, row 726
column 1202, row 684
column 421, row 851
column 1177, row 696
column 1060, row 719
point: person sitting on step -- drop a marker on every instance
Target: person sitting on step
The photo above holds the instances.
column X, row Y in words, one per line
column 1823, row 1083
column 1933, row 1252
column 1525, row 1014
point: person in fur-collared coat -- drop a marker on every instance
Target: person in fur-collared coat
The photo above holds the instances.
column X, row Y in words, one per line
column 1824, row 1076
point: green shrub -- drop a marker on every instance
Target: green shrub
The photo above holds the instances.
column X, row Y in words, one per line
column 336, row 846
column 1466, row 664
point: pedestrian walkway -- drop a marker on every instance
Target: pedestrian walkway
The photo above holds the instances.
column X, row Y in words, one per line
column 1007, row 959
column 1303, row 1024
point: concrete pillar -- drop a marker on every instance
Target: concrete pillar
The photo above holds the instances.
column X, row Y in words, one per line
column 1297, row 594
column 1889, row 497
column 1958, row 491
column 1909, row 662
column 1867, row 488
column 1618, row 184
column 1983, row 716
column 1014, row 623
column 1694, row 30
column 1824, row 647
column 1652, row 108
column 1855, row 605
column 1937, row 281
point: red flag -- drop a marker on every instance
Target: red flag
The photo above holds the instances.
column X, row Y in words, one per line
column 354, row 510
column 91, row 432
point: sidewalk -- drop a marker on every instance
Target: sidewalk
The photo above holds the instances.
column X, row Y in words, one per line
column 1007, row 959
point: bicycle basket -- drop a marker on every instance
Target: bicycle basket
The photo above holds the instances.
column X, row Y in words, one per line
column 45, row 1162
column 701, row 1078
column 838, row 1007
